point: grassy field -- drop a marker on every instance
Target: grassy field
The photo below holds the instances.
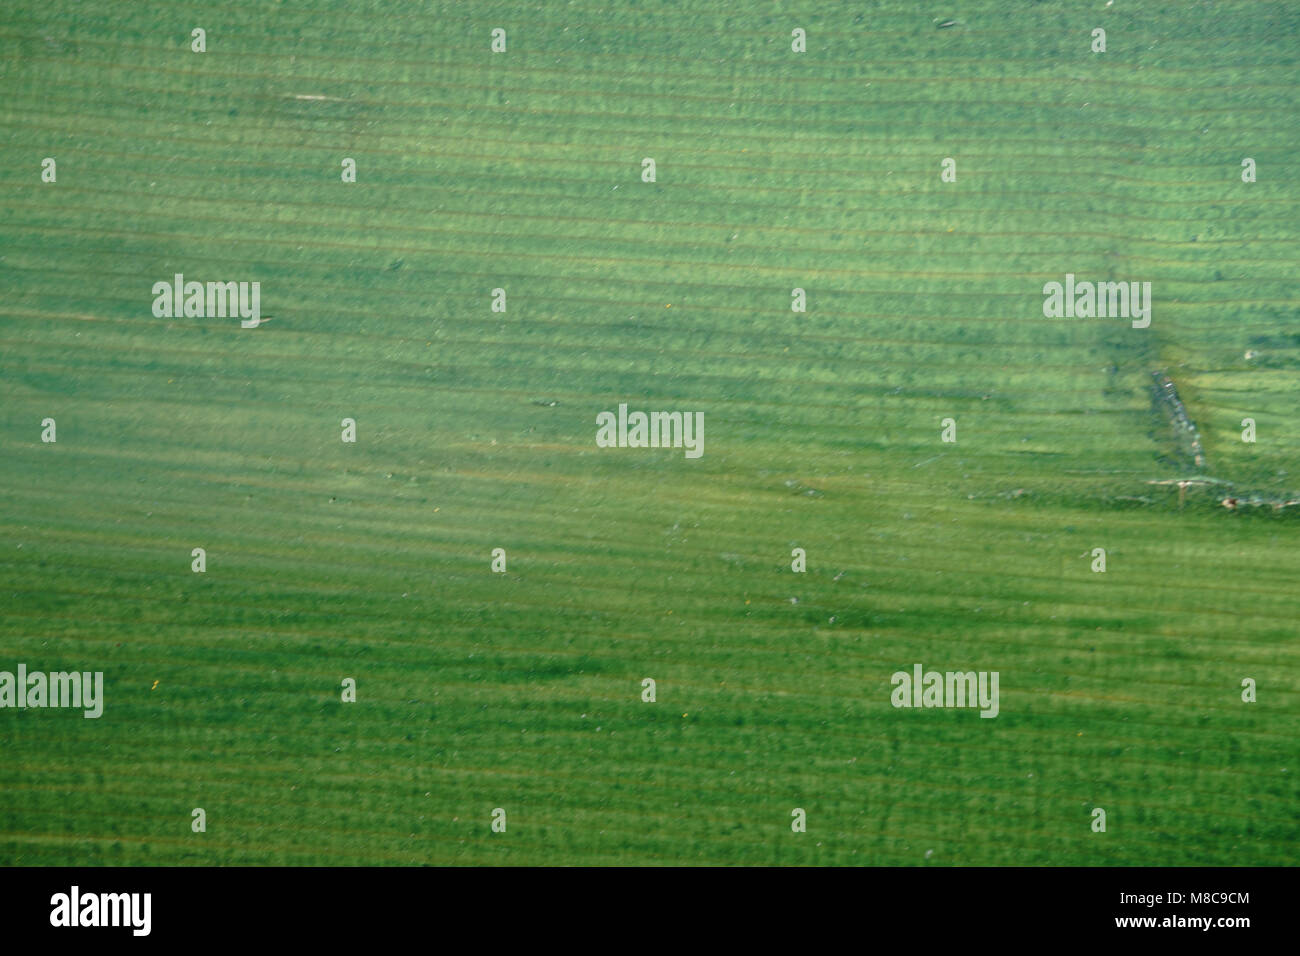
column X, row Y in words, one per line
column 522, row 170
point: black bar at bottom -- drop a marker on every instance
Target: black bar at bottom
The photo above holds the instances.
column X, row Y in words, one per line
column 337, row 905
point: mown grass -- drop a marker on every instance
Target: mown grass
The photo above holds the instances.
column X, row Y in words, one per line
column 522, row 171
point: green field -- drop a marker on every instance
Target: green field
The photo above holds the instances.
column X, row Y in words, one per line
column 522, row 170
